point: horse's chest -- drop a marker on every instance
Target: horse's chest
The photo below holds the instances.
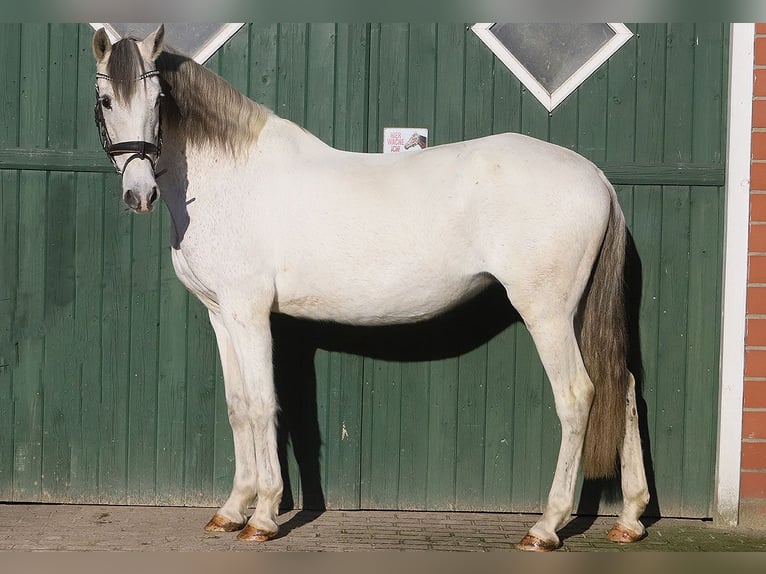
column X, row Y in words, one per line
column 193, row 281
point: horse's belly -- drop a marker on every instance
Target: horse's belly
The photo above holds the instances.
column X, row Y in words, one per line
column 373, row 304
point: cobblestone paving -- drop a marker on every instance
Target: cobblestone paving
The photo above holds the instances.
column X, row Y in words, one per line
column 107, row 528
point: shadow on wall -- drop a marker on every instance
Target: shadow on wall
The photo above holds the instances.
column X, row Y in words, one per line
column 450, row 335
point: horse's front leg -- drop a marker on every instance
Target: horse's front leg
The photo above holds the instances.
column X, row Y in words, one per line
column 232, row 515
column 250, row 332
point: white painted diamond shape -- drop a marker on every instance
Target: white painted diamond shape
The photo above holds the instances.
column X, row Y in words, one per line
column 552, row 60
column 200, row 40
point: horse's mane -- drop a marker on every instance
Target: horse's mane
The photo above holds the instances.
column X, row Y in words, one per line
column 201, row 107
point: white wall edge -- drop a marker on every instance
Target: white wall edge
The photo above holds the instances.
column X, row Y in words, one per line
column 734, row 296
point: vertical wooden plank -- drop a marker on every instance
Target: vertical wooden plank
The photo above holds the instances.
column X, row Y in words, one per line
column 352, row 87
column 172, row 376
column 62, row 441
column 591, row 115
column 709, row 88
column 326, row 393
column 673, row 337
column 87, row 329
column 10, row 45
column 86, row 134
column 29, row 327
column 442, row 434
column 384, row 411
column 115, row 346
column 9, row 253
column 62, row 85
column 675, row 260
column 567, row 127
column 392, row 77
column 471, row 425
column 421, row 75
column 343, row 431
column 233, row 60
column 700, row 416
column 647, row 219
column 33, row 116
column 700, row 405
column 650, row 93
column 291, row 90
column 499, row 442
column 201, row 418
column 263, row 64
column 679, row 92
column 320, row 81
column 450, row 81
column 30, row 309
column 621, row 103
column 528, row 488
column 144, row 342
column 506, row 110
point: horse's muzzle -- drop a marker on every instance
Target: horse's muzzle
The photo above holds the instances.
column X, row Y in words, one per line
column 141, row 202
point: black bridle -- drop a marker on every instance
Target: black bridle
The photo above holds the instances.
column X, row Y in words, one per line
column 140, row 149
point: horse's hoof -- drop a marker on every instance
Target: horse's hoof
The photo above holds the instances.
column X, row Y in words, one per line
column 622, row 535
column 534, row 544
column 251, row 533
column 220, row 524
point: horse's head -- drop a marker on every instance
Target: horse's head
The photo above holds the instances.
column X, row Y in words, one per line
column 128, row 113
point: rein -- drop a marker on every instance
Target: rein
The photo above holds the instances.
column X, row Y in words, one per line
column 140, row 149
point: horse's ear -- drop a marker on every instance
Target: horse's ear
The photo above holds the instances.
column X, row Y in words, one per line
column 152, row 45
column 102, row 45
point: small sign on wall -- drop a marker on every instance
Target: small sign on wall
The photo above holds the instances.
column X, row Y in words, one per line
column 397, row 140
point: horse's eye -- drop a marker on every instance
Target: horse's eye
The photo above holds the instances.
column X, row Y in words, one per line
column 106, row 102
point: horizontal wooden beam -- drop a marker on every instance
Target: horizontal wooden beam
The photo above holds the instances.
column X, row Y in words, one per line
column 618, row 174
column 665, row 174
column 44, row 159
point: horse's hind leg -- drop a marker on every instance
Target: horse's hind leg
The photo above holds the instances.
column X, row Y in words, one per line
column 635, row 493
column 231, row 516
column 557, row 346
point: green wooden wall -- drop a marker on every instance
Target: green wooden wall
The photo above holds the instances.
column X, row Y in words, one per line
column 110, row 386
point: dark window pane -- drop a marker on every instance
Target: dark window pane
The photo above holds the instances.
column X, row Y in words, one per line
column 552, row 52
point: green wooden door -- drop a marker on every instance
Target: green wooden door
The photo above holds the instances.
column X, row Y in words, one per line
column 110, row 386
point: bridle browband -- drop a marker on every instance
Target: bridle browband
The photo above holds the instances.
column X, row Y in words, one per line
column 140, row 149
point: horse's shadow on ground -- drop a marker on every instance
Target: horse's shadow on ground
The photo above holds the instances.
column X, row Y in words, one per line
column 450, row 335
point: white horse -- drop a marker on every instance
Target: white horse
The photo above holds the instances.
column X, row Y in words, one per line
column 267, row 218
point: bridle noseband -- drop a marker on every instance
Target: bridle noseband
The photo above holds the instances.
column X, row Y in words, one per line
column 140, row 149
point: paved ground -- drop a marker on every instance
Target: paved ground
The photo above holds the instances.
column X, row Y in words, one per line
column 108, row 528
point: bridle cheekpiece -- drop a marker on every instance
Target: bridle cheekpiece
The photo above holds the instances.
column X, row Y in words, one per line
column 140, row 149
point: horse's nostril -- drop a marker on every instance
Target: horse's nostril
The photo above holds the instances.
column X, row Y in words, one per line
column 153, row 196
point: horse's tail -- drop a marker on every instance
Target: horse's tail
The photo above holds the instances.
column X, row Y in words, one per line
column 603, row 343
